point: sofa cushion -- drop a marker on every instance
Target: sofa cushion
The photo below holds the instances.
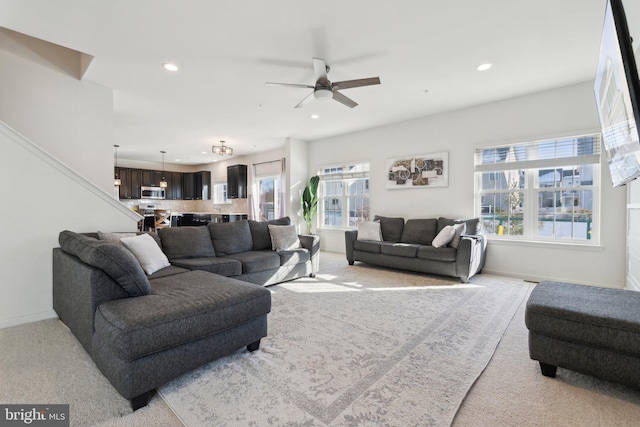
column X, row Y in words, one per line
column 420, row 231
column 471, row 224
column 182, row 308
column 444, row 237
column 391, row 228
column 114, row 259
column 293, row 257
column 231, row 237
column 407, row 250
column 284, row 237
column 217, row 265
column 260, row 232
column 367, row 246
column 147, row 251
column 437, row 254
column 167, row 271
column 256, row 261
column 186, row 242
column 369, row 231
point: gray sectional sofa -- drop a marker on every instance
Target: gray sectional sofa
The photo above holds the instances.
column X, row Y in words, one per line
column 409, row 246
column 142, row 330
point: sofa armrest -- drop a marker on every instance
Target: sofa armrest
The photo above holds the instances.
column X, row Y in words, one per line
column 350, row 236
column 78, row 290
column 311, row 242
column 470, row 256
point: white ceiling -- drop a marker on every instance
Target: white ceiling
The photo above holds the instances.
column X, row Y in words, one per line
column 227, row 50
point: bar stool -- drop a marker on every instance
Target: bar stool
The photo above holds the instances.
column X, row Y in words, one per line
column 161, row 218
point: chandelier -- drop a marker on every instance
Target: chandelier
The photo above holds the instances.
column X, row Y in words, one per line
column 222, row 149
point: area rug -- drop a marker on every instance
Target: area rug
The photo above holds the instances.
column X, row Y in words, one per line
column 356, row 346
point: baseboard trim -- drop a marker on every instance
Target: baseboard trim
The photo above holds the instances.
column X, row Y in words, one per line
column 537, row 279
column 34, row 317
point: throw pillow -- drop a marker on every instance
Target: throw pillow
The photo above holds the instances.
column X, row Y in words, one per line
column 444, row 237
column 369, row 231
column 114, row 237
column 458, row 231
column 147, row 251
column 284, row 237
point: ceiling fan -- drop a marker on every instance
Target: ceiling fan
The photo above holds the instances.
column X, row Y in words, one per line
column 324, row 89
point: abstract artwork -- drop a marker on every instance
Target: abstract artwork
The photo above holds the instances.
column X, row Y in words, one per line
column 419, row 171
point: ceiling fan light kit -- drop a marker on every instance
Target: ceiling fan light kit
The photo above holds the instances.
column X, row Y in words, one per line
column 324, row 89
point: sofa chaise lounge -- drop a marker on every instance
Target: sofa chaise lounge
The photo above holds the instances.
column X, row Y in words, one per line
column 410, row 246
column 144, row 329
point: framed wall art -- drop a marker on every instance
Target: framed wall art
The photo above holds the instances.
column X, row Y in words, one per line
column 419, row 171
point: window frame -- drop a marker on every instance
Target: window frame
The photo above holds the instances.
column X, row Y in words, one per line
column 531, row 166
column 344, row 176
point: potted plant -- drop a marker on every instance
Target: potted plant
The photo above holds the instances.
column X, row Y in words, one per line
column 310, row 201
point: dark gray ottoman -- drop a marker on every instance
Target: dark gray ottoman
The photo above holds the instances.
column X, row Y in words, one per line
column 595, row 331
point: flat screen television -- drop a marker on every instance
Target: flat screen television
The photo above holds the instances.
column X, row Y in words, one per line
column 617, row 91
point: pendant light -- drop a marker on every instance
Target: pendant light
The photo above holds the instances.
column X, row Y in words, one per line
column 116, row 178
column 163, row 183
column 222, row 149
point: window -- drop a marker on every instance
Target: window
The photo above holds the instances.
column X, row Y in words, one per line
column 544, row 190
column 268, row 198
column 343, row 195
column 220, row 192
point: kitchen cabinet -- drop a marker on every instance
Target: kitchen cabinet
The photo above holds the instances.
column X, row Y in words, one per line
column 150, row 178
column 237, row 182
column 174, row 185
column 196, row 185
column 188, row 189
column 130, row 183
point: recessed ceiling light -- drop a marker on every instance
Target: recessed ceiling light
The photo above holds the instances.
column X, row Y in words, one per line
column 315, row 116
column 169, row 66
column 177, row 160
column 484, row 67
column 204, row 152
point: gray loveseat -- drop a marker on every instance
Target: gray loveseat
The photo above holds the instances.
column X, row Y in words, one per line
column 408, row 246
column 145, row 330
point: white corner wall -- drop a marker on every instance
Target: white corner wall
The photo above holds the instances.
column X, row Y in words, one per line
column 564, row 111
column 63, row 200
column 298, row 177
column 57, row 167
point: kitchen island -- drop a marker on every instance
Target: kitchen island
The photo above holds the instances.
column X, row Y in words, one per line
column 182, row 219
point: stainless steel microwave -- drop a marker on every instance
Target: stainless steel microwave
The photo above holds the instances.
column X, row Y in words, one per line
column 152, row 193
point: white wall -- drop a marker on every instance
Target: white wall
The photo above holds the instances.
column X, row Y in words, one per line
column 564, row 111
column 42, row 98
column 297, row 176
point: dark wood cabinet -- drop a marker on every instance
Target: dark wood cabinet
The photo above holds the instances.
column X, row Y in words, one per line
column 174, row 185
column 237, row 182
column 150, row 178
column 202, row 185
column 130, row 183
column 188, row 189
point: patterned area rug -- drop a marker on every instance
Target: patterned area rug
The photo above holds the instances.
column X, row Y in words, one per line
column 356, row 346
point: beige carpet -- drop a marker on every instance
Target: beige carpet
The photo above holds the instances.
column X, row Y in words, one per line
column 41, row 362
column 356, row 347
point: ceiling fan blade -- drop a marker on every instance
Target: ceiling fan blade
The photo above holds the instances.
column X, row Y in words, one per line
column 344, row 100
column 320, row 69
column 347, row 84
column 305, row 101
column 290, row 85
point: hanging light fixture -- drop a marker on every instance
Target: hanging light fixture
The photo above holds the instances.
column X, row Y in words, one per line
column 222, row 149
column 163, row 183
column 116, row 178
